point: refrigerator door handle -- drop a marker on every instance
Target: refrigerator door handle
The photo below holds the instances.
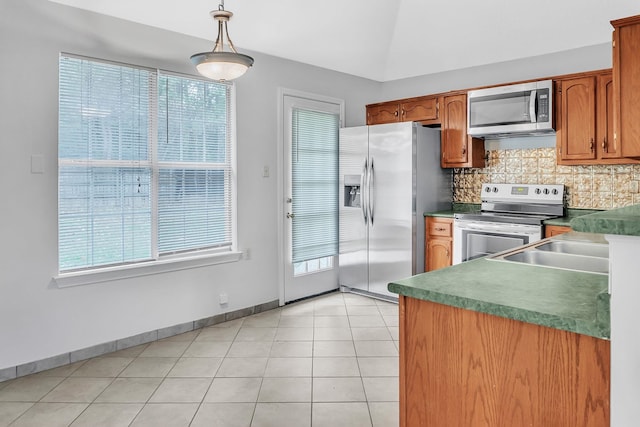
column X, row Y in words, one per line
column 363, row 191
column 372, row 187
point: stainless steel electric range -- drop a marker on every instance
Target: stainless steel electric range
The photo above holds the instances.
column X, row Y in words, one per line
column 510, row 215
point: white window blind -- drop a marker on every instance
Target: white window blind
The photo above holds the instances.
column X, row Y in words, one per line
column 194, row 161
column 144, row 164
column 314, row 184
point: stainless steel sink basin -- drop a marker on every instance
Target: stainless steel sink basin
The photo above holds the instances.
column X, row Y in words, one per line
column 562, row 260
column 575, row 255
column 576, row 248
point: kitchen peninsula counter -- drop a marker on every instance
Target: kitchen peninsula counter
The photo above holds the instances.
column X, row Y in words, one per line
column 567, row 300
column 622, row 221
column 489, row 342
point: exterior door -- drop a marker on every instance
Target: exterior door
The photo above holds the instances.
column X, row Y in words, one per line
column 310, row 212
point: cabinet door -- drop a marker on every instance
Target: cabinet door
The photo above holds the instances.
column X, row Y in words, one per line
column 383, row 113
column 578, row 116
column 458, row 150
column 423, row 109
column 454, row 131
column 626, row 81
column 554, row 230
column 438, row 253
column 607, row 144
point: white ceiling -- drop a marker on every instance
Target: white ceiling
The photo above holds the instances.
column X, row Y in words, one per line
column 386, row 39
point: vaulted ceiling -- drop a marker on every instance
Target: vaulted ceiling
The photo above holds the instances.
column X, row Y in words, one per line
column 386, row 39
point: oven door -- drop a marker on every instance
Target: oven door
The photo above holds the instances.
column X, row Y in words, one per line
column 475, row 239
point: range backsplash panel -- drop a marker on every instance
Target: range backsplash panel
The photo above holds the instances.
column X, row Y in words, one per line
column 588, row 187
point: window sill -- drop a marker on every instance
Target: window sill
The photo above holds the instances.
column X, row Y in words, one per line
column 79, row 278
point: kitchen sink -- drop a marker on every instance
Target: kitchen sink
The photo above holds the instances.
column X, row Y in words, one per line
column 576, row 248
column 589, row 257
column 562, row 260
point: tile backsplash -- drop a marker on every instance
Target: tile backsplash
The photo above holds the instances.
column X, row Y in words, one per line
column 589, row 187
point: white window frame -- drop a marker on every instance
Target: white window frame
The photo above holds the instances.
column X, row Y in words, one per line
column 168, row 262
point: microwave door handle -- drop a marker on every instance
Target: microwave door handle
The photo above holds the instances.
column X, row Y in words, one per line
column 532, row 106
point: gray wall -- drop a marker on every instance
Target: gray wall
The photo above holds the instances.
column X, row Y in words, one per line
column 39, row 320
column 572, row 61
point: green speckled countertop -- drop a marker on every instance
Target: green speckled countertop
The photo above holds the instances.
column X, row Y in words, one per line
column 624, row 221
column 572, row 301
column 455, row 208
column 570, row 214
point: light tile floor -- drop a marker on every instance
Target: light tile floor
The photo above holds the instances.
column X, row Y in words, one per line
column 328, row 361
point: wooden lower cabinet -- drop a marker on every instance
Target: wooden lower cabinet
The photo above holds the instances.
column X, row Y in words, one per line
column 438, row 251
column 460, row 368
column 554, row 230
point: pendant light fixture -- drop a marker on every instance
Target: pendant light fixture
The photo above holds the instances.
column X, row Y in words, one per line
column 219, row 64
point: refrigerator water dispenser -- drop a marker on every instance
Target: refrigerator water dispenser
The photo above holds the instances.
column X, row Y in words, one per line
column 352, row 191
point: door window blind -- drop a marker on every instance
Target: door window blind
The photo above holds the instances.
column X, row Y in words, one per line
column 314, row 184
column 145, row 164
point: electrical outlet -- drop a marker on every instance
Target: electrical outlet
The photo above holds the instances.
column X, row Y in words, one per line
column 265, row 171
column 246, row 254
column 224, row 299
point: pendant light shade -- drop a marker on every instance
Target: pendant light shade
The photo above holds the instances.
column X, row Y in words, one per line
column 219, row 64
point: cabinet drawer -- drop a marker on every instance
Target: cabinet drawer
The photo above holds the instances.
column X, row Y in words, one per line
column 439, row 227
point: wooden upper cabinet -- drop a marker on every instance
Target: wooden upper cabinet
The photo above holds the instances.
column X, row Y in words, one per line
column 626, row 85
column 608, row 145
column 425, row 110
column 458, row 150
column 585, row 121
column 577, row 133
column 387, row 112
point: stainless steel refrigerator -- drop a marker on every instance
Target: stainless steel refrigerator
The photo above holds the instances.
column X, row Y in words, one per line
column 389, row 176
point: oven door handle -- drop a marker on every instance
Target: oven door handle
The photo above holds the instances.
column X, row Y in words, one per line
column 503, row 228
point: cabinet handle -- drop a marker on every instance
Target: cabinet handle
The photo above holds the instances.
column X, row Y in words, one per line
column 464, row 149
column 395, row 113
column 440, row 229
column 604, row 145
column 447, row 253
column 591, row 144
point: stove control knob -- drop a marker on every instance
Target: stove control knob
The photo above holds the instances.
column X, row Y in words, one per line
column 495, row 189
column 554, row 191
column 537, row 191
column 487, row 190
column 545, row 191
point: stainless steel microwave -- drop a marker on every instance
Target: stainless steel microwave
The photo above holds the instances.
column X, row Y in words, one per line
column 520, row 109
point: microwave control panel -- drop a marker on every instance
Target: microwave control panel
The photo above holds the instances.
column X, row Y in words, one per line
column 543, row 105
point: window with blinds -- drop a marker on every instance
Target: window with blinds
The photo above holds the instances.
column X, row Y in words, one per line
column 314, row 171
column 145, row 164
